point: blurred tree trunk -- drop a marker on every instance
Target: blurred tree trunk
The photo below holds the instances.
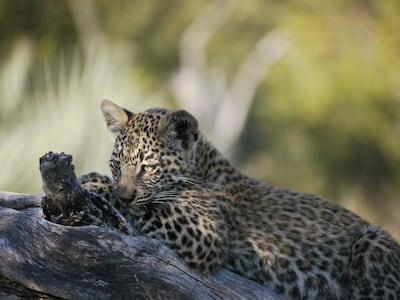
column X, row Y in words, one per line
column 86, row 23
column 204, row 91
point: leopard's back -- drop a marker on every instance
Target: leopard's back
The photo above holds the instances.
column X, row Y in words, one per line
column 176, row 187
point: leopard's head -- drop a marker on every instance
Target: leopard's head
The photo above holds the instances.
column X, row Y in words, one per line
column 152, row 154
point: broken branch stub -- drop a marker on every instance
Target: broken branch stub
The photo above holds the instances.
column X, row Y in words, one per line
column 66, row 202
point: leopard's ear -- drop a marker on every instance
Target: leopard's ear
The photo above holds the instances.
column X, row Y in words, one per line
column 179, row 127
column 115, row 116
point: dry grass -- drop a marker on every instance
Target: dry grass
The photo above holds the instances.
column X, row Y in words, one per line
column 56, row 108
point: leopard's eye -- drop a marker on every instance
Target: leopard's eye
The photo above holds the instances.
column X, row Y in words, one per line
column 146, row 169
column 115, row 167
column 150, row 168
column 114, row 164
column 141, row 171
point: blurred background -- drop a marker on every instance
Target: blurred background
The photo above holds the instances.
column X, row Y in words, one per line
column 301, row 94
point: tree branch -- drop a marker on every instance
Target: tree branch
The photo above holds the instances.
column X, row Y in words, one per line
column 44, row 260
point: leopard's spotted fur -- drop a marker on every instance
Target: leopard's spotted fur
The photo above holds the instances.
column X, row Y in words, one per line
column 176, row 187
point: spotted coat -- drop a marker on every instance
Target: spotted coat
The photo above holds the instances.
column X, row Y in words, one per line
column 175, row 186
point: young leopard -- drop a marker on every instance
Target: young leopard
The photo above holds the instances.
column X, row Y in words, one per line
column 175, row 186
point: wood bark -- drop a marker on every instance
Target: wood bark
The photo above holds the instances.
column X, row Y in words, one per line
column 100, row 257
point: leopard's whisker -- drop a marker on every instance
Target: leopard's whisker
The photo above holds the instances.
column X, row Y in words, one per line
column 303, row 246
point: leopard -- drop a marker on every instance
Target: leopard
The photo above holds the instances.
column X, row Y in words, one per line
column 173, row 185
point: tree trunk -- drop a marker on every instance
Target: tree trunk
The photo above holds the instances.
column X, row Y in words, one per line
column 100, row 257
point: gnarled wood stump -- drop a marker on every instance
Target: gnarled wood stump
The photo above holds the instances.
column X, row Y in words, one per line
column 100, row 257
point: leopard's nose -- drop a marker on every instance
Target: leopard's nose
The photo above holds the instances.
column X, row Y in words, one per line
column 125, row 194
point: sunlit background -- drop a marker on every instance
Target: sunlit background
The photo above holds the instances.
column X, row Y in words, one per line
column 301, row 94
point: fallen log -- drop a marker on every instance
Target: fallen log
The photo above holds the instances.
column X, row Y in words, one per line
column 100, row 257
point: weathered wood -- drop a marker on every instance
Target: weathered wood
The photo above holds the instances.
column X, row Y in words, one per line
column 19, row 201
column 67, row 203
column 43, row 260
column 90, row 262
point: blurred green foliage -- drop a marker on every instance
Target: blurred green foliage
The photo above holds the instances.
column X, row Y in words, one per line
column 325, row 120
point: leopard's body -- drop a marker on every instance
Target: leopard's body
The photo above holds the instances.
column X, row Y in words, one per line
column 175, row 186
